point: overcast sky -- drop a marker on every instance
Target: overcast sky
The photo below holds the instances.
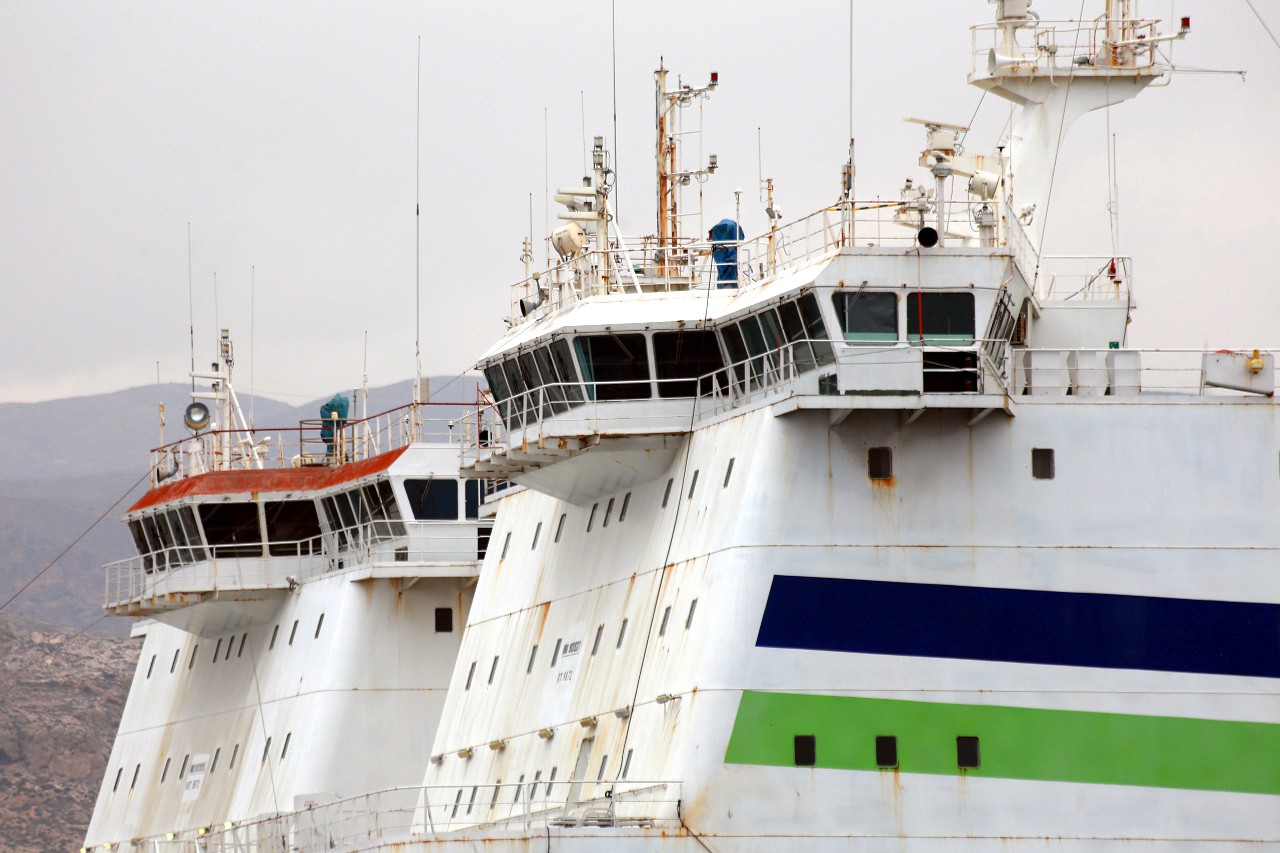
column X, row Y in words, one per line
column 284, row 133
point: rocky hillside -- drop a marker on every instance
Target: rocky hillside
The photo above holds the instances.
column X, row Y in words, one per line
column 61, row 696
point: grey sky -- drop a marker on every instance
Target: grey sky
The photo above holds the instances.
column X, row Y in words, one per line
column 284, row 133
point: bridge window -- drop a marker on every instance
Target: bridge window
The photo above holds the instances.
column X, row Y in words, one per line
column 474, row 497
column 940, row 319
column 756, row 347
column 684, row 356
column 867, row 317
column 815, row 328
column 615, row 367
column 566, row 372
column 293, row 528
column 188, row 521
column 232, row 529
column 383, row 510
column 140, row 542
column 797, row 336
column 434, row 499
column 519, row 403
column 737, row 350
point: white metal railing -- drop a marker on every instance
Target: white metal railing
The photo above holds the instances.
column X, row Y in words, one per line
column 1107, row 372
column 1065, row 47
column 312, row 443
column 426, row 812
column 648, row 268
column 279, row 565
column 565, row 410
column 1085, row 278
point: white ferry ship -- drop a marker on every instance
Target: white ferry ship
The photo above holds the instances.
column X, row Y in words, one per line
column 866, row 534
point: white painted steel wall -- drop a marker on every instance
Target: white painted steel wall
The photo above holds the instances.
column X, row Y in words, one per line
column 1158, row 495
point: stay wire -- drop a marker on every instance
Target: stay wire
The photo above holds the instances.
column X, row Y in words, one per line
column 1053, row 171
column 666, row 558
column 1257, row 15
column 76, row 541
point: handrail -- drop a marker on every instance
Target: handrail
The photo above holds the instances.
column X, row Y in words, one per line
column 419, row 813
column 305, row 445
column 262, row 565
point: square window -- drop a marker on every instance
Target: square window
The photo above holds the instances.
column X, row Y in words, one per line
column 595, row 647
column 622, row 634
column 560, row 526
column 444, row 620
column 591, row 520
column 506, row 544
column 666, row 615
column 471, row 673
column 666, row 495
column 880, row 463
column 533, row 655
column 693, row 484
column 806, row 750
column 886, row 751
column 1042, row 463
column 967, row 756
column 537, row 531
column 728, row 472
column 626, row 502
column 608, row 513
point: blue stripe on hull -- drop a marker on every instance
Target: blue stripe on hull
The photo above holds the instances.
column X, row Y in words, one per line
column 1022, row 626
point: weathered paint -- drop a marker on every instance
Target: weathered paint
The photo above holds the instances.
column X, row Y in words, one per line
column 267, row 480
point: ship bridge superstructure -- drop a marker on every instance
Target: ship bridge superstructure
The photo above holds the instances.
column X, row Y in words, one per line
column 383, row 502
column 940, row 299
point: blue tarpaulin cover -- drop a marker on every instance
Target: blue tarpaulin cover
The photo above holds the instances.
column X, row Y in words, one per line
column 725, row 236
column 338, row 406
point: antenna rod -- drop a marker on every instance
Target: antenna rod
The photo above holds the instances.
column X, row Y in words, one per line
column 191, row 311
column 253, row 399
column 417, row 232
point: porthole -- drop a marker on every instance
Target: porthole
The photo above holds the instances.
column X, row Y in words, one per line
column 886, row 751
column 1042, row 463
column 806, row 750
column 880, row 463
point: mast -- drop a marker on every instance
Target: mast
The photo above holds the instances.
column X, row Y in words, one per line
column 665, row 156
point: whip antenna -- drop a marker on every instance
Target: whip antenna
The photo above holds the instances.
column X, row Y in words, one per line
column 191, row 311
column 417, row 231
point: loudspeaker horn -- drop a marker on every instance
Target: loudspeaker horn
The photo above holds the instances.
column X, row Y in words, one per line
column 997, row 61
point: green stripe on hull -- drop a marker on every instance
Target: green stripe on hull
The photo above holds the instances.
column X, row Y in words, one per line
column 1016, row 743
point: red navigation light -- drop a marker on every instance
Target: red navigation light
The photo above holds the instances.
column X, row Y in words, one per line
column 715, row 77
column 1186, row 24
